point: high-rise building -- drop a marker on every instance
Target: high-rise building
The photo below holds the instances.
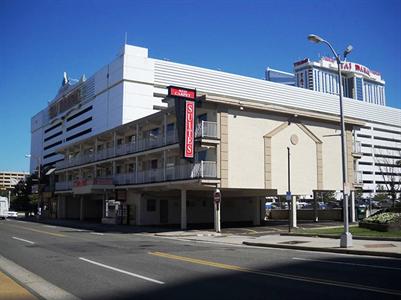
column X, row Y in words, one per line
column 358, row 81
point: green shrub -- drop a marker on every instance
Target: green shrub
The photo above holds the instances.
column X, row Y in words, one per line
column 385, row 218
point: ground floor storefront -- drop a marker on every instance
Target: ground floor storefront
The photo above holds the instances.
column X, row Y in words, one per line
column 159, row 206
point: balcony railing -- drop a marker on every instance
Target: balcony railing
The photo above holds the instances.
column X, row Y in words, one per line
column 358, row 177
column 123, row 149
column 357, row 148
column 64, row 185
column 203, row 169
column 206, row 129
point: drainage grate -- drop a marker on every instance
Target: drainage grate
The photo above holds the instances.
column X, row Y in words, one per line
column 379, row 246
column 293, row 242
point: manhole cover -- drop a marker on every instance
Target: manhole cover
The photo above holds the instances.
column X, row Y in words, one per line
column 379, row 246
column 293, row 242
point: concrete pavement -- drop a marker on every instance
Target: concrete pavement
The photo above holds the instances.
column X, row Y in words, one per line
column 308, row 243
column 265, row 236
column 191, row 264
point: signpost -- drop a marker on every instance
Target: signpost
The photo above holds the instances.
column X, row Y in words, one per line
column 217, row 201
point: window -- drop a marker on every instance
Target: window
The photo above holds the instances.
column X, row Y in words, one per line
column 154, row 132
column 130, row 168
column 153, row 164
column 118, row 169
column 79, row 124
column 79, row 113
column 170, row 128
column 151, row 205
column 202, row 117
column 201, row 155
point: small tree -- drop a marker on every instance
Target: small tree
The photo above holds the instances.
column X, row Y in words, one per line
column 23, row 199
column 389, row 164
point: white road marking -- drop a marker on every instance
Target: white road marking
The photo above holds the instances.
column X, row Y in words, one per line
column 97, row 233
column 121, row 271
column 345, row 263
column 26, row 241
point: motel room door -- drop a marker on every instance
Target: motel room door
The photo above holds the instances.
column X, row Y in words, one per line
column 163, row 211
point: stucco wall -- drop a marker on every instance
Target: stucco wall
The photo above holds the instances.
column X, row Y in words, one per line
column 246, row 156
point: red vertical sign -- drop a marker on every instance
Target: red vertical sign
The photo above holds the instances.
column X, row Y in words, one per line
column 189, row 129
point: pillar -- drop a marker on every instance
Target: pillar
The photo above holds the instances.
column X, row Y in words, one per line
column 82, row 208
column 183, row 209
column 315, row 206
column 353, row 217
column 256, row 211
column 293, row 212
column 138, row 202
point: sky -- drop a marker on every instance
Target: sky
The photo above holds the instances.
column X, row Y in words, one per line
column 39, row 40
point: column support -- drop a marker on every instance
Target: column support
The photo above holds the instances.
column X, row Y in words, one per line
column 82, row 209
column 183, row 209
column 256, row 214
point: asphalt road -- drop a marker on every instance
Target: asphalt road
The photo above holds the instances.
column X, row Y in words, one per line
column 94, row 265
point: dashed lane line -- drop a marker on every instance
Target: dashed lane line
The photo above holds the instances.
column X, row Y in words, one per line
column 23, row 240
column 121, row 271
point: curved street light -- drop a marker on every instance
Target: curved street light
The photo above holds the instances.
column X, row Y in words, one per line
column 346, row 236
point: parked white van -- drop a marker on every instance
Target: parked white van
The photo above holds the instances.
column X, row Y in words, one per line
column 3, row 207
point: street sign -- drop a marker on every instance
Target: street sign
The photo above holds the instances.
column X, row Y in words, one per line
column 217, row 196
column 288, row 196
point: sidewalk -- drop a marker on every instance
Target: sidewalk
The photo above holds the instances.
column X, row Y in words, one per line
column 359, row 247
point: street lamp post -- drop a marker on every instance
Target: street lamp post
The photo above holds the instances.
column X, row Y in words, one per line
column 346, row 236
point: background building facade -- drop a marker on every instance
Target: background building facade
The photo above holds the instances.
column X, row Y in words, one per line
column 358, row 81
column 8, row 179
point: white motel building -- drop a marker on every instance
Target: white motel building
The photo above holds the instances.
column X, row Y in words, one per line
column 155, row 138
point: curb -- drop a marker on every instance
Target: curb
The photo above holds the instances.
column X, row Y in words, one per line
column 332, row 250
column 34, row 283
column 332, row 236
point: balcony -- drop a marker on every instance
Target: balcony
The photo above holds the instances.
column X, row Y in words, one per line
column 64, row 185
column 202, row 170
column 357, row 149
column 123, row 149
column 88, row 185
column 358, row 179
column 207, row 130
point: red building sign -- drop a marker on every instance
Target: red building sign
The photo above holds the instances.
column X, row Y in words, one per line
column 189, row 129
column 181, row 92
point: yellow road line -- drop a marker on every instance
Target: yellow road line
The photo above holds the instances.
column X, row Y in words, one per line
column 37, row 230
column 275, row 274
column 250, row 230
column 11, row 290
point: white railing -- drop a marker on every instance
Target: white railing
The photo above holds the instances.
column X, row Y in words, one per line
column 203, row 169
column 358, row 179
column 357, row 147
column 123, row 149
column 206, row 129
column 63, row 185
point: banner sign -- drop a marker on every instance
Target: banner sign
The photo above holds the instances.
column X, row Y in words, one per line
column 185, row 113
column 189, row 129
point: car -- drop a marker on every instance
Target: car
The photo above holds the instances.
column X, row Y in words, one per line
column 12, row 214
